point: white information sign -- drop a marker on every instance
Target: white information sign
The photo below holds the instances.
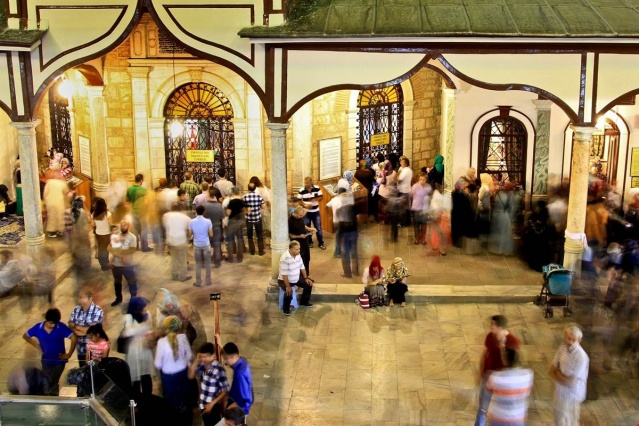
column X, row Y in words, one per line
column 84, row 144
column 330, row 158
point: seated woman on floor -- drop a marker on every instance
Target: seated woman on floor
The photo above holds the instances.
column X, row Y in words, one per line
column 396, row 276
column 373, row 278
column 7, row 205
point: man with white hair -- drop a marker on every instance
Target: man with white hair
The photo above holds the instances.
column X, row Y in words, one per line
column 569, row 371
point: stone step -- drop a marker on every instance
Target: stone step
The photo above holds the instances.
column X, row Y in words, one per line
column 340, row 293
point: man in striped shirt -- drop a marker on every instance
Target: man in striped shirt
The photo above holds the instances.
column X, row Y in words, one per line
column 310, row 196
column 569, row 371
column 510, row 388
column 291, row 267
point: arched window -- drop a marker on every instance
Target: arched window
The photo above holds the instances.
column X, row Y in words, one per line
column 206, row 115
column 60, row 122
column 502, row 149
column 380, row 122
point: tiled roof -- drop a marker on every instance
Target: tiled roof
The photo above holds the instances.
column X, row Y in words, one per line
column 415, row 18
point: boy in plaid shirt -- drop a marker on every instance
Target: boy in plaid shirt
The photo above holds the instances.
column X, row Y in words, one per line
column 214, row 386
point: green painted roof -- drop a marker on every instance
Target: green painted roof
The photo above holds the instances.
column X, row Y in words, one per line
column 424, row 18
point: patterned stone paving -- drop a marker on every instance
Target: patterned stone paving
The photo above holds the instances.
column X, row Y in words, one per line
column 338, row 364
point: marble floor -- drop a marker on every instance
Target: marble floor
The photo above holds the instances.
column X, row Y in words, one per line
column 338, row 364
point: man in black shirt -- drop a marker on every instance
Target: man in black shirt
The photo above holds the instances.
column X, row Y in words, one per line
column 234, row 234
column 298, row 231
column 214, row 211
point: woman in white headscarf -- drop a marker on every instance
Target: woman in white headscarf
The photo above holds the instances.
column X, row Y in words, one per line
column 346, row 181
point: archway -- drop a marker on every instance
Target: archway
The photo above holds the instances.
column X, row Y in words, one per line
column 380, row 120
column 199, row 133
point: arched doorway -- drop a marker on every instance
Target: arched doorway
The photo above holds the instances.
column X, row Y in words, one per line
column 206, row 140
column 381, row 114
column 502, row 149
column 60, row 122
column 604, row 151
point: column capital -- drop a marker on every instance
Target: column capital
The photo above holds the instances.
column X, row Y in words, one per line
column 277, row 127
column 25, row 127
column 95, row 91
column 449, row 92
column 583, row 134
column 139, row 72
column 542, row 104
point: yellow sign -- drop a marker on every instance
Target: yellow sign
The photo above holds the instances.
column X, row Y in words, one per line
column 380, row 139
column 635, row 182
column 634, row 162
column 200, row 156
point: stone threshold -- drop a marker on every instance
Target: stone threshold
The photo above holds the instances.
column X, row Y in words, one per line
column 420, row 294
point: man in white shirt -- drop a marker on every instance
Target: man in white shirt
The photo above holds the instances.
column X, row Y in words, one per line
column 291, row 267
column 176, row 225
column 569, row 371
column 336, row 203
column 223, row 185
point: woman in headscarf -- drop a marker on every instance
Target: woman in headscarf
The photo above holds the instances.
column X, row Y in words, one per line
column 396, row 276
column 137, row 326
column 387, row 180
column 501, row 230
column 436, row 173
column 65, row 169
column 168, row 304
column 172, row 357
column 373, row 278
column 346, row 181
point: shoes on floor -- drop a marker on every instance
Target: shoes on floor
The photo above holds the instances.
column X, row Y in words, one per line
column 322, row 246
column 346, row 276
column 308, row 305
column 310, row 245
column 391, row 303
column 262, row 253
column 116, row 302
column 288, row 314
column 217, row 265
column 146, row 250
column 198, row 285
column 53, row 235
column 187, row 278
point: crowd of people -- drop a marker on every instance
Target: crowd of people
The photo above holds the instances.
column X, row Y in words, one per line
column 190, row 379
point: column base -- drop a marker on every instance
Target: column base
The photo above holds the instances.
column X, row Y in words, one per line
column 34, row 244
column 573, row 250
column 101, row 189
column 277, row 248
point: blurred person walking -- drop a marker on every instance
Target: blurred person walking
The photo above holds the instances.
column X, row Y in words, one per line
column 176, row 227
column 139, row 356
column 348, row 230
column 501, row 230
column 235, row 211
column 101, row 223
column 54, row 194
column 420, row 195
column 201, row 229
column 214, row 212
column 10, row 272
column 83, row 316
column 366, row 177
column 510, row 389
column 172, row 357
column 134, row 196
column 498, row 340
column 342, row 199
column 404, row 182
column 569, row 371
column 122, row 263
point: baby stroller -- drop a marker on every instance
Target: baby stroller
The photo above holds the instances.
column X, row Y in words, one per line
column 555, row 290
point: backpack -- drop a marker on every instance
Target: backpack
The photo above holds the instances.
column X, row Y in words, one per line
column 364, row 301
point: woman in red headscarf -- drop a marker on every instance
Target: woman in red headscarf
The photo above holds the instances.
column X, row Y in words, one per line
column 372, row 279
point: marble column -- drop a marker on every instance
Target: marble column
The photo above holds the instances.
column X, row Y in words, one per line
column 279, row 196
column 447, row 136
column 575, row 236
column 141, row 114
column 33, row 228
column 99, row 146
column 542, row 150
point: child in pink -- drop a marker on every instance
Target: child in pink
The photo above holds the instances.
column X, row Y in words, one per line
column 98, row 346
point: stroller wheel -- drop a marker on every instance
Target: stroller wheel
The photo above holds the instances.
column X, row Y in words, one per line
column 537, row 300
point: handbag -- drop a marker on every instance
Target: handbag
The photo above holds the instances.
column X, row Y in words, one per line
column 123, row 343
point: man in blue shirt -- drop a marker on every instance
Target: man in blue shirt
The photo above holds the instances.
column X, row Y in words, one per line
column 241, row 393
column 48, row 337
column 201, row 229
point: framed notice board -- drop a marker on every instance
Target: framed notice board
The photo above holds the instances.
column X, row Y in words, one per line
column 330, row 158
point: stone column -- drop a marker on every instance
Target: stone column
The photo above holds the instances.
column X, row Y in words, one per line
column 542, row 150
column 99, row 146
column 140, row 97
column 279, row 196
column 578, row 197
column 33, row 229
column 447, row 136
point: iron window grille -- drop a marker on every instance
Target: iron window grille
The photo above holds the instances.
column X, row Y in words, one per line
column 60, row 123
column 380, row 111
column 502, row 149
